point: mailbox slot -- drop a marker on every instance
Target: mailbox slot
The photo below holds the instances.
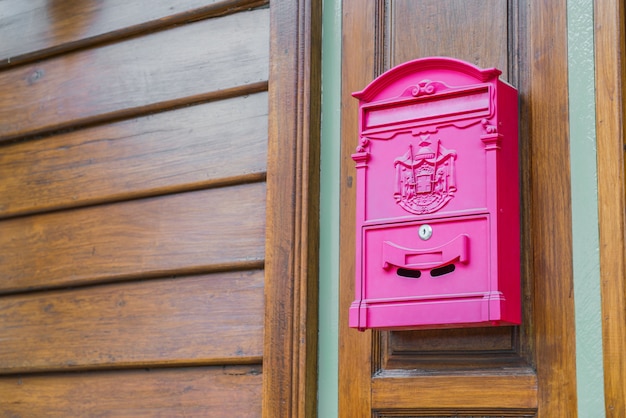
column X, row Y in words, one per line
column 455, row 105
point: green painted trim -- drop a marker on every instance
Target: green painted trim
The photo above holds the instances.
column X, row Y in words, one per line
column 328, row 342
column 587, row 297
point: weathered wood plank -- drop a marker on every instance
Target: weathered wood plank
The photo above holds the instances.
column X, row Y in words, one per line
column 173, row 67
column 35, row 28
column 233, row 391
column 177, row 234
column 209, row 319
column 192, row 147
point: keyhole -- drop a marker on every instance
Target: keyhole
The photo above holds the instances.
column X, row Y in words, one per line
column 425, row 232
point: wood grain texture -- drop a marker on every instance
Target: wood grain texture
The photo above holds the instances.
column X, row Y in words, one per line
column 355, row 348
column 136, row 237
column 456, row 413
column 551, row 220
column 177, row 234
column 610, row 34
column 231, row 391
column 464, row 25
column 199, row 146
column 492, row 339
column 538, row 52
column 214, row 319
column 467, row 391
column 454, row 350
column 477, row 32
column 39, row 28
column 116, row 80
column 290, row 359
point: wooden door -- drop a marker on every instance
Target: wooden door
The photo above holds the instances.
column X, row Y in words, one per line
column 146, row 217
column 523, row 371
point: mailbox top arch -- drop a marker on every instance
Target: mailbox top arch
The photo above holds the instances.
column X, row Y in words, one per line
column 451, row 71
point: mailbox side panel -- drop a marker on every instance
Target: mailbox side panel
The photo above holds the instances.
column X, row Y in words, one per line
column 508, row 239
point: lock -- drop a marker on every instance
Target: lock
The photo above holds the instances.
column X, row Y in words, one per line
column 425, row 232
column 437, row 199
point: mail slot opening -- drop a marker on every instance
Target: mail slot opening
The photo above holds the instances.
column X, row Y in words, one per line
column 440, row 271
column 411, row 274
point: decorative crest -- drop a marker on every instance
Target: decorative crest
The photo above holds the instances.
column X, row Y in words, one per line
column 425, row 179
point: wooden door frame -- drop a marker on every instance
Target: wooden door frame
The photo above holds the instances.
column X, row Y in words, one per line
column 610, row 72
column 547, row 253
column 291, row 265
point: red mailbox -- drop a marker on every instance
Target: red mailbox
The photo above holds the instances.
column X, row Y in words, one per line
column 437, row 188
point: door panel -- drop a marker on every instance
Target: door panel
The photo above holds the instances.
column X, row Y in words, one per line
column 494, row 371
column 476, row 32
column 453, row 349
column 418, row 395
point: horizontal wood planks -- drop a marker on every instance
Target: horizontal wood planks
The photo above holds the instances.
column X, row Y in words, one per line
column 173, row 67
column 207, row 319
column 35, row 28
column 133, row 165
column 184, row 233
column 191, row 147
column 231, row 391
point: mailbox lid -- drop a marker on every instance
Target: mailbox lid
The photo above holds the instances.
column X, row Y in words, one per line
column 451, row 71
column 452, row 263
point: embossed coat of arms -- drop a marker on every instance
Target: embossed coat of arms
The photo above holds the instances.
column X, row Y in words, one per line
column 425, row 179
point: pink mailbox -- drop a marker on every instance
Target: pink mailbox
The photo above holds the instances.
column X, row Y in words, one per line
column 438, row 231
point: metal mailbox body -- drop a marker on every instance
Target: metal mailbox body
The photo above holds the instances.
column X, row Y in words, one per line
column 437, row 218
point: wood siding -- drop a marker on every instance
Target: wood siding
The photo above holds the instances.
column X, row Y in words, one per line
column 133, row 159
column 196, row 392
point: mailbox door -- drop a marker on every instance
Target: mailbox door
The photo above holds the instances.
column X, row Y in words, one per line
column 453, row 260
column 427, row 273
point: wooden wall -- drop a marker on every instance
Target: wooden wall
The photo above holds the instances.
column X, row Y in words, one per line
column 133, row 158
